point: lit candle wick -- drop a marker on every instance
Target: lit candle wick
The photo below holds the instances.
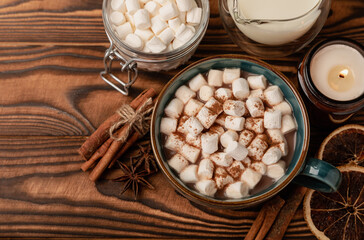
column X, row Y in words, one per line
column 344, row 73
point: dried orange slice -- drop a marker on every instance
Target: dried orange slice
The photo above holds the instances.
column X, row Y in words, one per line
column 343, row 146
column 338, row 215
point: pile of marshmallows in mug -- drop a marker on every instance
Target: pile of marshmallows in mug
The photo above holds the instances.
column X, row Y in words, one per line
column 155, row 26
column 226, row 137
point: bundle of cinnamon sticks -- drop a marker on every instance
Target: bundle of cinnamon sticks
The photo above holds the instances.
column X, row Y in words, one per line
column 101, row 149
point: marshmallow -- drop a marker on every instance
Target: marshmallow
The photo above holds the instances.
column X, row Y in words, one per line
column 181, row 127
column 246, row 162
column 228, row 137
column 222, row 178
column 215, row 77
column 221, row 159
column 134, row 41
column 117, row 18
column 174, row 142
column 246, row 137
column 237, row 190
column 205, row 169
column 174, row 23
column 257, row 93
column 206, row 187
column 160, row 2
column 209, row 142
column 255, row 124
column 193, row 16
column 277, row 170
column 193, row 126
column 145, row 35
column 190, row 153
column 167, row 35
column 206, row 92
column 272, row 155
column 193, row 29
column 168, row 11
column 207, row 117
column 234, row 123
column 275, row 135
column 152, row 7
column 214, row 105
column 237, row 151
column 185, row 5
column 221, row 119
column 129, row 18
column 132, row 6
column 288, row 124
column 255, row 106
column 184, row 93
column 168, row 125
column 184, row 33
column 197, row 82
column 205, row 155
column 217, row 129
column 240, row 88
column 141, row 19
column 118, row 5
column 284, row 107
column 158, row 25
column 223, row 94
column 123, row 30
column 234, row 108
column 283, row 146
column 257, row 82
column 155, row 45
column 189, row 174
column 236, row 169
column 182, row 17
column 259, row 167
column 178, row 162
column 230, row 74
column 272, row 119
column 194, row 140
column 169, row 47
column 177, row 43
column 174, row 108
column 251, row 177
column 192, row 107
column 257, row 148
column 273, row 95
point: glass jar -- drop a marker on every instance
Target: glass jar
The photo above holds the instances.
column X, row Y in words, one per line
column 131, row 60
column 273, row 37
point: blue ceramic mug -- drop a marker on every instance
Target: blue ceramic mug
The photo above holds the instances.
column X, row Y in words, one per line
column 309, row 172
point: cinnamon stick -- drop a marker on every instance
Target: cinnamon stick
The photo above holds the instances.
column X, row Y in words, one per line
column 102, row 134
column 265, row 219
column 97, row 155
column 130, row 142
column 285, row 216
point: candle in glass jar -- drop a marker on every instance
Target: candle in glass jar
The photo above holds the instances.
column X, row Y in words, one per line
column 337, row 71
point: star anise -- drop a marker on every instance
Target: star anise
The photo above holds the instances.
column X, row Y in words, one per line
column 146, row 156
column 132, row 178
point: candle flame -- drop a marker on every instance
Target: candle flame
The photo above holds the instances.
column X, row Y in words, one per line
column 343, row 73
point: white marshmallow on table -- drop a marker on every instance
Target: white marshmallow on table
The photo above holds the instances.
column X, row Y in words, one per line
column 118, row 5
column 245, row 138
column 193, row 140
column 288, row 124
column 117, row 18
column 273, row 119
column 174, row 108
column 168, row 125
column 206, row 116
column 189, row 174
column 277, row 170
column 257, row 82
column 158, row 25
column 145, row 35
column 230, row 74
column 209, row 142
column 193, row 16
column 214, row 105
column 220, row 120
column 234, row 108
column 134, row 41
column 236, row 151
column 284, row 107
column 275, row 135
column 240, row 88
column 205, row 169
column 259, row 167
column 206, row 187
column 152, row 7
column 222, row 178
column 257, row 149
column 234, row 123
column 236, row 169
column 178, row 162
column 167, row 35
column 197, row 82
column 221, row 159
column 155, row 45
column 223, row 94
column 215, row 77
column 184, row 93
column 174, row 23
column 181, row 127
column 251, row 177
column 141, row 19
column 228, row 137
column 255, row 124
column 237, row 190
column 185, row 5
column 217, row 129
column 257, row 93
column 255, row 106
column 168, row 11
column 206, row 92
column 174, row 142
column 273, row 95
column 184, row 33
column 272, row 155
column 123, row 30
column 193, row 126
column 190, row 153
column 192, row 107
column 132, row 6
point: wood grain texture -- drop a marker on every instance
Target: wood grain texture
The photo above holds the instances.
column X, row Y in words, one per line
column 52, row 98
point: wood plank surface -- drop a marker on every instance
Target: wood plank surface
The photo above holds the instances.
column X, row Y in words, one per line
column 52, row 98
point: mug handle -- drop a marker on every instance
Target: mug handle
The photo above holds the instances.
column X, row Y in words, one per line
column 319, row 175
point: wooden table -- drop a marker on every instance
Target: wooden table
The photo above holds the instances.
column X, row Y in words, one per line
column 52, row 98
